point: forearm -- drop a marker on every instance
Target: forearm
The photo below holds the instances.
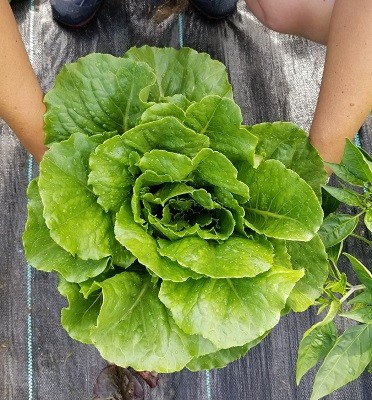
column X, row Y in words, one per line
column 21, row 97
column 345, row 97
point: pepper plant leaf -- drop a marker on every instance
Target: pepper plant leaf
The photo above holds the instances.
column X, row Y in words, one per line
column 314, row 347
column 347, row 359
column 336, row 228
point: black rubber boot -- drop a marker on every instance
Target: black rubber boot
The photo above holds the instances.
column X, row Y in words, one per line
column 215, row 9
column 74, row 13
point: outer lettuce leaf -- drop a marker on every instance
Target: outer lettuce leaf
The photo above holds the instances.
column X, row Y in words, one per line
column 134, row 328
column 81, row 314
column 223, row 357
column 184, row 71
column 99, row 93
column 281, row 255
column 75, row 219
column 236, row 257
column 43, row 253
column 229, row 312
column 282, row 205
column 310, row 257
column 286, row 142
column 220, row 119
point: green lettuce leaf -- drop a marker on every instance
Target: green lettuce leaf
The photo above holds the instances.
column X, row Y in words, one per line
column 213, row 168
column 99, row 93
column 80, row 317
column 166, row 134
column 293, row 213
column 184, row 71
column 229, row 312
column 144, row 247
column 75, row 219
column 44, row 254
column 220, row 119
column 223, row 357
column 110, row 174
column 286, row 142
column 135, row 329
column 157, row 111
column 310, row 257
column 237, row 257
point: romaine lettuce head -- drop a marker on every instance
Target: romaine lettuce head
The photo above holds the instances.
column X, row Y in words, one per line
column 180, row 235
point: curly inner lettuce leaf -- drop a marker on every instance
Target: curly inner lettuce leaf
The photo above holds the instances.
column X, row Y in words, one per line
column 144, row 247
column 229, row 312
column 43, row 253
column 99, row 93
column 157, row 111
column 213, row 168
column 75, row 219
column 282, row 205
column 134, row 328
column 184, row 71
column 177, row 210
column 178, row 166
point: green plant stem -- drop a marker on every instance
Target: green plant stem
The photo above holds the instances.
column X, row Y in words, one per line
column 334, row 271
column 363, row 239
column 351, row 291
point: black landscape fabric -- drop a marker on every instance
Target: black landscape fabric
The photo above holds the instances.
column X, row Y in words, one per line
column 274, row 77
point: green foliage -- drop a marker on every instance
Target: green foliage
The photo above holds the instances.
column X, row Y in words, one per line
column 343, row 357
column 180, row 235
